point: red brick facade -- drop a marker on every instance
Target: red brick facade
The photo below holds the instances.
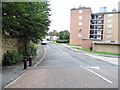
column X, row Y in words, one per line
column 83, row 18
column 87, row 43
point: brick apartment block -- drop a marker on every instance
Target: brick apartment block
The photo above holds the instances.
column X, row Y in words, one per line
column 90, row 29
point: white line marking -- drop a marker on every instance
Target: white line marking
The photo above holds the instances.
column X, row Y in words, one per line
column 25, row 72
column 37, row 51
column 97, row 74
column 41, row 59
column 93, row 67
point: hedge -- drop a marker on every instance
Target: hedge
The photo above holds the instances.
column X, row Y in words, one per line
column 62, row 41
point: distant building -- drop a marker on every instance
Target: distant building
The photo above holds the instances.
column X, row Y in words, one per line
column 80, row 25
column 52, row 38
column 97, row 26
column 119, row 6
column 102, row 9
column 94, row 29
column 111, row 26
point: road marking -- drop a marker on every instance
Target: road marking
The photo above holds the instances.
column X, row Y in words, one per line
column 42, row 58
column 93, row 67
column 37, row 51
column 97, row 74
column 25, row 72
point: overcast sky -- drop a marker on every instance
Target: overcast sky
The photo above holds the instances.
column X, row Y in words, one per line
column 61, row 10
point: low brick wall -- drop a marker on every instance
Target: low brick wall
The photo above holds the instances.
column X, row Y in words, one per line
column 87, row 43
column 11, row 44
column 0, row 50
column 110, row 48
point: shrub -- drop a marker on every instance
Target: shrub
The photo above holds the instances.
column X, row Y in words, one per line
column 62, row 41
column 13, row 57
column 31, row 50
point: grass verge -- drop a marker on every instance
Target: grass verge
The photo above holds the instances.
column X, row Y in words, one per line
column 87, row 50
column 70, row 44
column 56, row 43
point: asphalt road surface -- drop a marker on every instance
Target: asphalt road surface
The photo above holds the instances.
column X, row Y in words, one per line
column 63, row 67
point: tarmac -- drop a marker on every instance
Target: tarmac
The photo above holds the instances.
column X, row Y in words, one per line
column 112, row 59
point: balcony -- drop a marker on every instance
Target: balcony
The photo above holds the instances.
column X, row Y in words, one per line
column 96, row 38
column 96, row 34
column 97, row 19
column 97, row 29
column 97, row 24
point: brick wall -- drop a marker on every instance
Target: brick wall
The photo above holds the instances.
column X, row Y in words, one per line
column 0, row 50
column 110, row 48
column 10, row 44
column 74, row 26
column 87, row 43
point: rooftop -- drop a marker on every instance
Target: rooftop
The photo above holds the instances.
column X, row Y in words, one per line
column 80, row 8
column 108, row 12
column 105, row 42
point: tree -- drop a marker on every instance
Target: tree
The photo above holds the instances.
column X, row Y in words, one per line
column 27, row 19
column 53, row 33
column 61, row 33
column 64, row 35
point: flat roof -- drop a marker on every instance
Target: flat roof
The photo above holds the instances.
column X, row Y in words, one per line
column 105, row 42
column 107, row 12
column 80, row 8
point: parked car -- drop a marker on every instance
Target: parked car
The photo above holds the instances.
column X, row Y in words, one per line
column 44, row 42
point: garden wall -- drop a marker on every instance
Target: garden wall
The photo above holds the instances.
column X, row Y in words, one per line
column 11, row 44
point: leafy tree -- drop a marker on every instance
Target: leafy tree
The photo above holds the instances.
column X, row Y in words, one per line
column 27, row 19
column 53, row 33
column 61, row 33
column 64, row 35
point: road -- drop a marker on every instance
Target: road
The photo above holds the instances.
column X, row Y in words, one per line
column 63, row 67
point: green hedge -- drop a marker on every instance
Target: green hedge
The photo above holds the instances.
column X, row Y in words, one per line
column 62, row 41
column 13, row 57
column 31, row 50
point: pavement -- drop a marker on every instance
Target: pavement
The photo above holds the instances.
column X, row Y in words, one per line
column 64, row 67
column 10, row 73
column 107, row 58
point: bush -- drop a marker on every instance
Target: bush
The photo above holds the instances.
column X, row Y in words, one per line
column 13, row 57
column 62, row 41
column 31, row 50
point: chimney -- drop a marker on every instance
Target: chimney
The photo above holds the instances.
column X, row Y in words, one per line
column 114, row 10
column 80, row 6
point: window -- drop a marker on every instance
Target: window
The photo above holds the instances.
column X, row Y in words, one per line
column 99, row 27
column 79, row 35
column 98, row 37
column 80, row 17
column 98, row 32
column 109, row 20
column 80, row 11
column 80, row 23
column 109, row 26
column 100, row 16
column 110, row 15
column 109, row 31
column 99, row 21
column 80, row 29
column 108, row 37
